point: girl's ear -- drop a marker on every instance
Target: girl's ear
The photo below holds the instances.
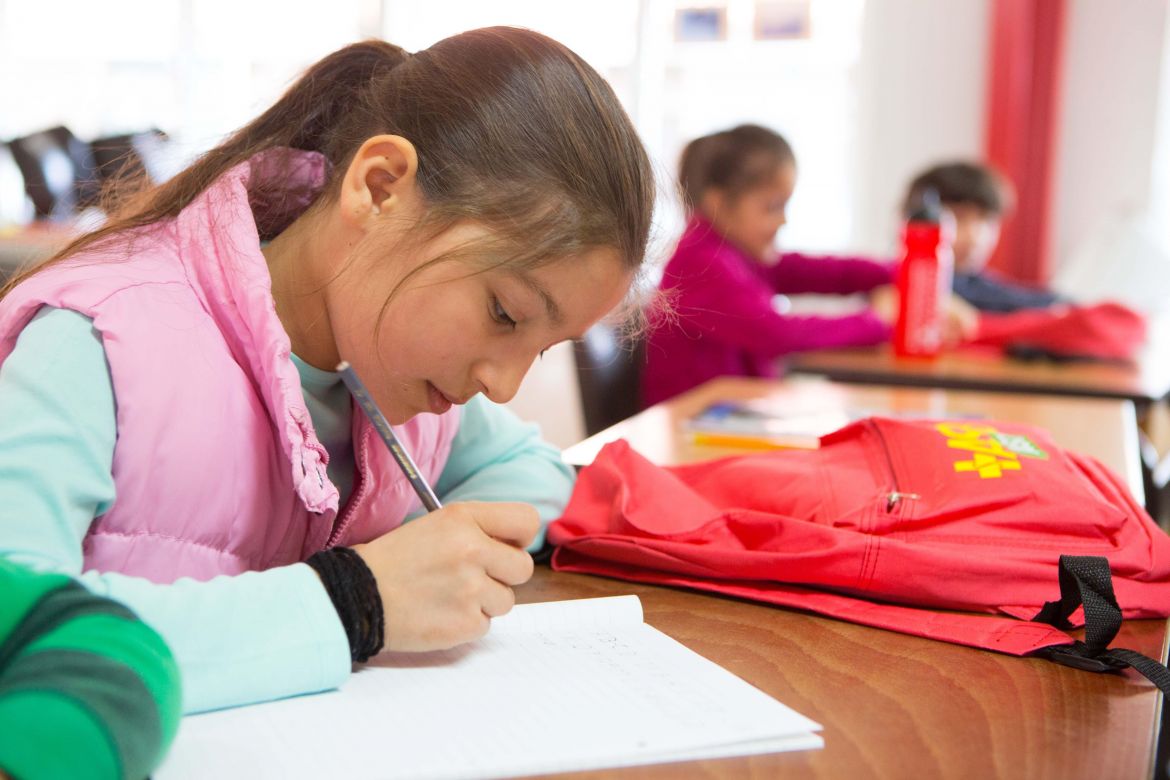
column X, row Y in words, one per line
column 711, row 203
column 380, row 178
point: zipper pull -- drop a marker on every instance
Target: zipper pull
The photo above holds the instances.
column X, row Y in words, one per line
column 894, row 497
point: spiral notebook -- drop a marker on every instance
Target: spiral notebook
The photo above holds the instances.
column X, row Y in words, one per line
column 553, row 687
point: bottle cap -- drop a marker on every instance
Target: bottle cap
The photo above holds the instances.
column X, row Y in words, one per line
column 927, row 208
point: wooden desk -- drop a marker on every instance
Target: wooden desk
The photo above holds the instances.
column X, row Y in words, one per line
column 1144, row 381
column 897, row 706
column 1103, row 428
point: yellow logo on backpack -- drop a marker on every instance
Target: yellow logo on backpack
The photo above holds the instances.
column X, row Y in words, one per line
column 992, row 452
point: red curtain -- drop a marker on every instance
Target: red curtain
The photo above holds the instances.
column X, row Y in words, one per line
column 1023, row 115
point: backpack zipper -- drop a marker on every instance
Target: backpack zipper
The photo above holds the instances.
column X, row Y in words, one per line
column 895, row 496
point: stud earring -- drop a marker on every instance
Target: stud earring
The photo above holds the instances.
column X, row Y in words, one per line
column 377, row 209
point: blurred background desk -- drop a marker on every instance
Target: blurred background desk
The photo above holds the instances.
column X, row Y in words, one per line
column 895, row 705
column 1144, row 381
column 1104, row 428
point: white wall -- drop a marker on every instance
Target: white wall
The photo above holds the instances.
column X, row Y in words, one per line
column 1112, row 83
column 1160, row 165
column 921, row 85
column 194, row 68
column 1112, row 226
column 801, row 88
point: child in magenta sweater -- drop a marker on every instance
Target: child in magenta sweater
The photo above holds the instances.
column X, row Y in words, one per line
column 723, row 276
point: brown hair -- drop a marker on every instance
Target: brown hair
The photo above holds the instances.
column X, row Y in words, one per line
column 734, row 161
column 512, row 130
column 962, row 183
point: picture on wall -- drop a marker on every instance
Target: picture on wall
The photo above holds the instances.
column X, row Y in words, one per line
column 700, row 23
column 778, row 20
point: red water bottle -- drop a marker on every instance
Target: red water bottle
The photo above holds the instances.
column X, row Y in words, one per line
column 924, row 280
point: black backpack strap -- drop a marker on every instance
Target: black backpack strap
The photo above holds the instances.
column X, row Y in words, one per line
column 1085, row 579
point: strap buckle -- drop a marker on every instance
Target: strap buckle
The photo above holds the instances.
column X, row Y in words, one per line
column 1086, row 580
column 1074, row 655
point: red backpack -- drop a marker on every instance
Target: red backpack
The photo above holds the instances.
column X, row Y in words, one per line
column 1103, row 331
column 895, row 524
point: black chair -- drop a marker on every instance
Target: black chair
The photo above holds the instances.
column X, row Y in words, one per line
column 59, row 172
column 609, row 371
column 131, row 156
column 16, row 207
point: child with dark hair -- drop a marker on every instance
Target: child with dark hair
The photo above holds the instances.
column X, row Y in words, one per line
column 722, row 279
column 978, row 197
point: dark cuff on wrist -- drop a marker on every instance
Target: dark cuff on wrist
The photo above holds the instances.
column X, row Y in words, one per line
column 354, row 592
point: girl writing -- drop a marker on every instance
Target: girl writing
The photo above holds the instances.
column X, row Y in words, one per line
column 173, row 431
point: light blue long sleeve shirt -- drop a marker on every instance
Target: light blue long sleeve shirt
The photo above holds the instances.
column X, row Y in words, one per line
column 238, row 639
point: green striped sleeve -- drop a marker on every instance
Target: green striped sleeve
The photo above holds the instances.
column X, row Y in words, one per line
column 86, row 689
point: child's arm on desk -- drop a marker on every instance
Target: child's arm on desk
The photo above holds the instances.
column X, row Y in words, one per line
column 729, row 304
column 797, row 273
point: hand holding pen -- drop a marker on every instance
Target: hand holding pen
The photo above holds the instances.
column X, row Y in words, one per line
column 443, row 576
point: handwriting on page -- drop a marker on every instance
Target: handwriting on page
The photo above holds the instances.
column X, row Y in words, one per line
column 541, row 694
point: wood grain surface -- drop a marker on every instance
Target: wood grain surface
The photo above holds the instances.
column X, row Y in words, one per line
column 896, row 706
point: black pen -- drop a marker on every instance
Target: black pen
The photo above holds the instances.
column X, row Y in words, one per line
column 362, row 396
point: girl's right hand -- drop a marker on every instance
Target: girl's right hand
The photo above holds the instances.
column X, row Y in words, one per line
column 443, row 576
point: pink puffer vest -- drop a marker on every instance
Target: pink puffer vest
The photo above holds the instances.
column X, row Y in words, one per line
column 217, row 468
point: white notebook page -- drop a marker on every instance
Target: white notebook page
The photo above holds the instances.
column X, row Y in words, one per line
column 553, row 687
